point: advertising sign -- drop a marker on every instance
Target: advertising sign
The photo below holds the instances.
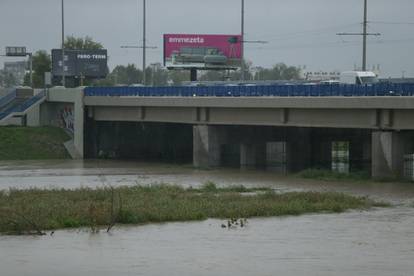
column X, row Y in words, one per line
column 202, row 51
column 86, row 63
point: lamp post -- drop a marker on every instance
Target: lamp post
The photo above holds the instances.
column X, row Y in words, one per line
column 144, row 43
column 63, row 44
column 242, row 42
column 243, row 65
column 364, row 35
column 31, row 68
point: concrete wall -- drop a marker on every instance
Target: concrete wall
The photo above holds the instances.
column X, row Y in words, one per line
column 58, row 100
column 388, row 150
column 33, row 116
column 207, row 142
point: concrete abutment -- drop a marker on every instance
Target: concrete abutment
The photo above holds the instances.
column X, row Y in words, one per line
column 388, row 150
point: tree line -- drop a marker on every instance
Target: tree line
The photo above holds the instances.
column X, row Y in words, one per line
column 156, row 74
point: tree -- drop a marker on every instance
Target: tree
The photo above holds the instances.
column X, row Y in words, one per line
column 177, row 77
column 126, row 74
column 279, row 71
column 7, row 79
column 236, row 75
column 41, row 64
column 79, row 43
column 157, row 75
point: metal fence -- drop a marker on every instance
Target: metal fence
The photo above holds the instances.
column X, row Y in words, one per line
column 303, row 90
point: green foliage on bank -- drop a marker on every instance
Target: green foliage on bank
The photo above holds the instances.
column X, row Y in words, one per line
column 32, row 143
column 34, row 210
column 328, row 175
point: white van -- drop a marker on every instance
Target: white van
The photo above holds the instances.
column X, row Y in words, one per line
column 358, row 77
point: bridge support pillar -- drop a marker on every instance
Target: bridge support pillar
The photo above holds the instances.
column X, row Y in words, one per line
column 298, row 152
column 387, row 154
column 247, row 156
column 207, row 141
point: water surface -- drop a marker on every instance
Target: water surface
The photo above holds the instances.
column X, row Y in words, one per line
column 374, row 242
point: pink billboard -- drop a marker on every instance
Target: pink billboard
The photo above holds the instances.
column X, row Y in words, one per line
column 202, row 51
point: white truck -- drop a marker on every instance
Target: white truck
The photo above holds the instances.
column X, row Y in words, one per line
column 358, row 77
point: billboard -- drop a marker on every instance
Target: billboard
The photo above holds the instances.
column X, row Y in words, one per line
column 87, row 63
column 202, row 51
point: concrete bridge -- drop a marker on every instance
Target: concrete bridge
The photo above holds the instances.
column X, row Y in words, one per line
column 295, row 126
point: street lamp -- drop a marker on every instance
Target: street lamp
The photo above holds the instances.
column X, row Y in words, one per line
column 144, row 43
column 243, row 67
column 63, row 44
column 242, row 42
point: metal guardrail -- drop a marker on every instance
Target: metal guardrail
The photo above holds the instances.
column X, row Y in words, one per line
column 23, row 106
column 7, row 99
column 303, row 90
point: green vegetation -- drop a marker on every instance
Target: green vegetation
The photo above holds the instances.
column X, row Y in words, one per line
column 328, row 175
column 33, row 211
column 42, row 63
column 80, row 43
column 31, row 143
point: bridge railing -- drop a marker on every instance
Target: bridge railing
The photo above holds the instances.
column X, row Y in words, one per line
column 303, row 90
column 7, row 99
column 23, row 106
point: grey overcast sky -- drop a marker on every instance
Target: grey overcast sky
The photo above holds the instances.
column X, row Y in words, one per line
column 300, row 32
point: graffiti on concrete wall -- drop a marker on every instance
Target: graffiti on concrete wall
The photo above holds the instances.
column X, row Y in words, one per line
column 67, row 118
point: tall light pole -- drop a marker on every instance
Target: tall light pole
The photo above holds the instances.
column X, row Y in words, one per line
column 63, row 44
column 242, row 42
column 144, row 44
column 364, row 35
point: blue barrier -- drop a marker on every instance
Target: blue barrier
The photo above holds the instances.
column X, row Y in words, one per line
column 301, row 90
column 7, row 98
column 23, row 106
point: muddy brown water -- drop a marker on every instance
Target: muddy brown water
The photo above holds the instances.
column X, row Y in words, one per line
column 374, row 242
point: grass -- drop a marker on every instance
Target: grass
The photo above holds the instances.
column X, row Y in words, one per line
column 328, row 175
column 33, row 211
column 32, row 143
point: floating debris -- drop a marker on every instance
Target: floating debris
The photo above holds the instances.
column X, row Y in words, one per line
column 234, row 223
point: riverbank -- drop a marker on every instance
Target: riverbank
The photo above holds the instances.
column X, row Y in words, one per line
column 32, row 143
column 34, row 211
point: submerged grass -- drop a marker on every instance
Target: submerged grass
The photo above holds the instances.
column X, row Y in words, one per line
column 35, row 210
column 328, row 175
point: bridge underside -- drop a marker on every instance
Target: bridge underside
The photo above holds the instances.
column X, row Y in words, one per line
column 280, row 149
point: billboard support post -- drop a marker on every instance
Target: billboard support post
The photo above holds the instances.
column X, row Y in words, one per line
column 193, row 74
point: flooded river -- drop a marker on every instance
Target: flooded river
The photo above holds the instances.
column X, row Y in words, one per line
column 375, row 242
